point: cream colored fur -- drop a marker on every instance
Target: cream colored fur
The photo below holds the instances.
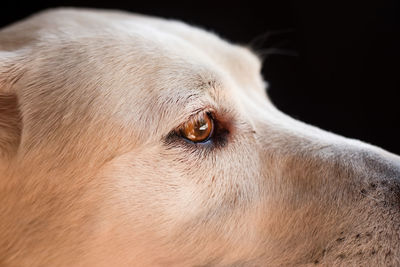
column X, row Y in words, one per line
column 89, row 175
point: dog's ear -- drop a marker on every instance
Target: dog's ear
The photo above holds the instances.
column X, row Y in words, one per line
column 10, row 119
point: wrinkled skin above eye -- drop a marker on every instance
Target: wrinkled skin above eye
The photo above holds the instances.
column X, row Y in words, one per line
column 198, row 129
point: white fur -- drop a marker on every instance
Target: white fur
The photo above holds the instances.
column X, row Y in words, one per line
column 88, row 176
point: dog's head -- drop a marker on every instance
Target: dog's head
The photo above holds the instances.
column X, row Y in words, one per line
column 128, row 140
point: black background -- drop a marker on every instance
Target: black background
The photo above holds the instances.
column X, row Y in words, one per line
column 329, row 63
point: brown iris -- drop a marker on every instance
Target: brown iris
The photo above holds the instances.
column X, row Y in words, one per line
column 198, row 129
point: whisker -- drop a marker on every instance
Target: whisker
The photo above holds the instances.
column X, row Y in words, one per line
column 263, row 45
column 277, row 51
column 262, row 39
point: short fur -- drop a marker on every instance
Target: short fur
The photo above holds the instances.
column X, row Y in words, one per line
column 90, row 175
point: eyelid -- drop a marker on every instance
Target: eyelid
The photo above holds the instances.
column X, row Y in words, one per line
column 196, row 114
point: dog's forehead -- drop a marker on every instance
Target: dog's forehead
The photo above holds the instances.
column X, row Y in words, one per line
column 123, row 64
column 134, row 36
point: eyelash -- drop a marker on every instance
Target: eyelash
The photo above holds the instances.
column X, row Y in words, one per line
column 217, row 140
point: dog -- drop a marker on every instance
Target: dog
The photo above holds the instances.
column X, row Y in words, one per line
column 129, row 140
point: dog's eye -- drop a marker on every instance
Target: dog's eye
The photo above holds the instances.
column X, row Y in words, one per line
column 198, row 129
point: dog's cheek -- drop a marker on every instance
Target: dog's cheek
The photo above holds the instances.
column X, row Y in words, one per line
column 140, row 196
column 151, row 197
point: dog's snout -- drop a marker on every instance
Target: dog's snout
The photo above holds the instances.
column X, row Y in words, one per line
column 382, row 177
column 387, row 166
